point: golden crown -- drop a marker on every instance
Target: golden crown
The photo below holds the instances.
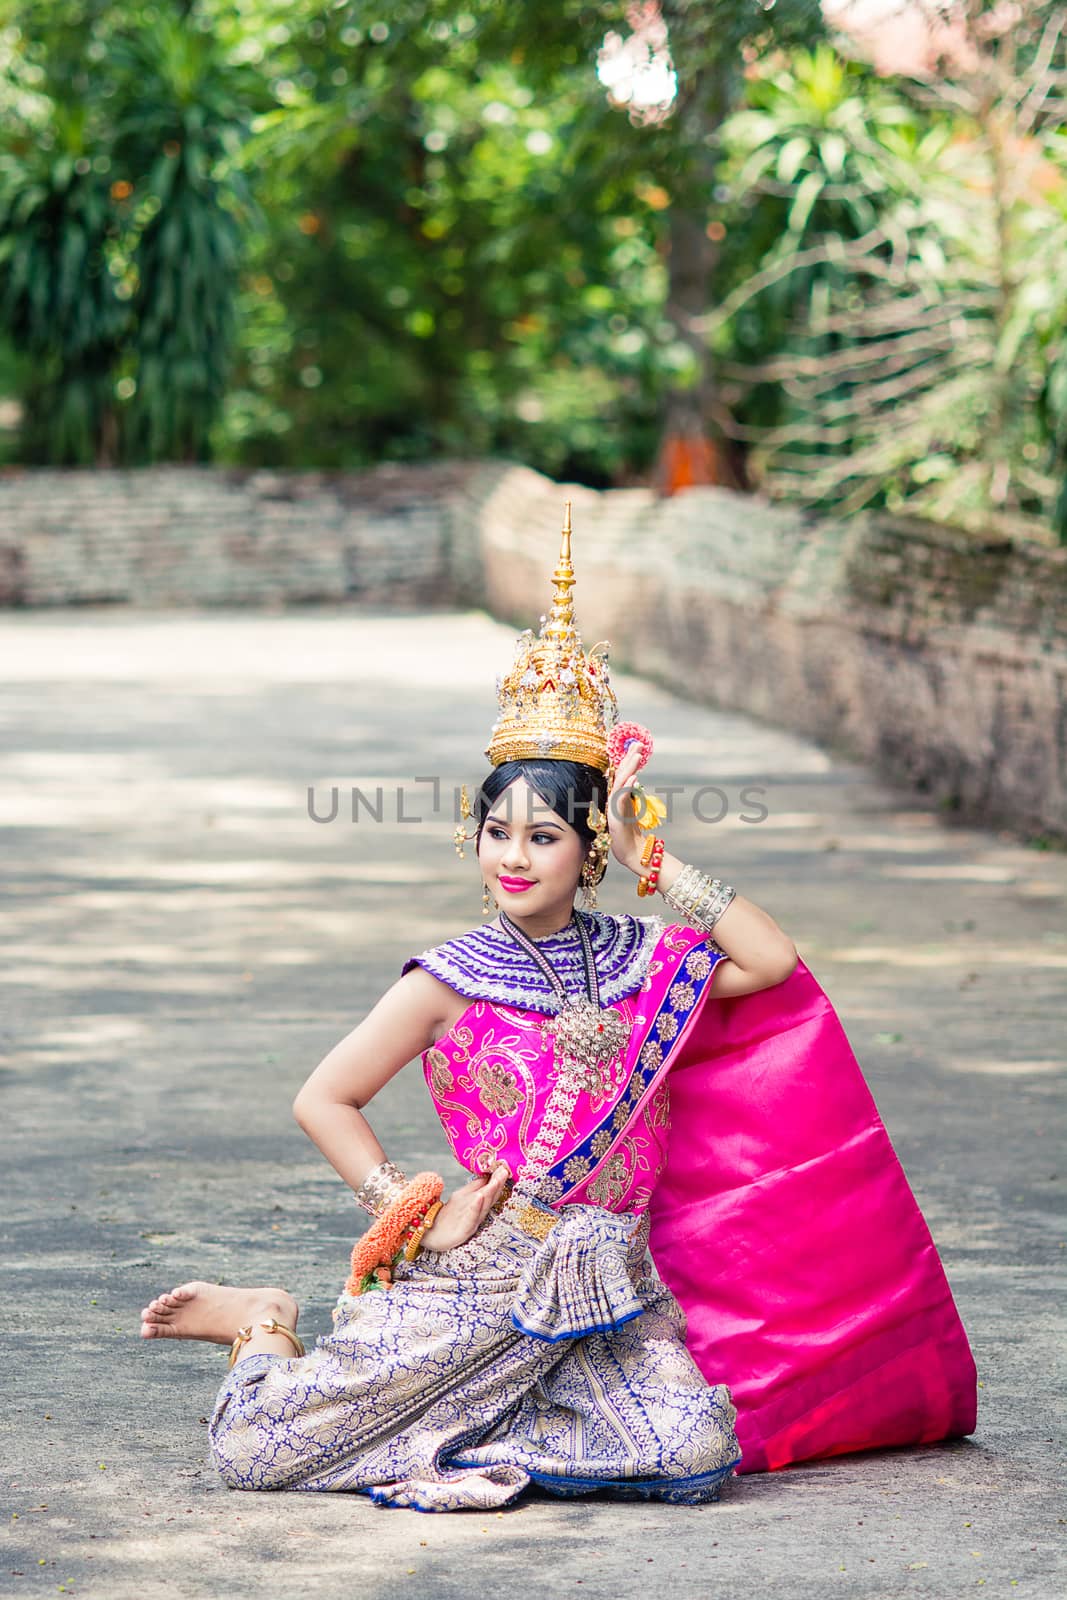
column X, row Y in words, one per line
column 556, row 702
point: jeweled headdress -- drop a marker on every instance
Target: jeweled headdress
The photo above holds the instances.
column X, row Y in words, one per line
column 557, row 701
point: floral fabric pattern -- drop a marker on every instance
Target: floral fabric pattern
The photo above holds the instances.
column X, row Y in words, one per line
column 431, row 1396
column 498, row 1089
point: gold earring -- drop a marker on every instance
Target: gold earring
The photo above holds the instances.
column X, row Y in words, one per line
column 485, row 899
column 589, row 878
column 460, row 836
column 595, row 863
column 588, row 892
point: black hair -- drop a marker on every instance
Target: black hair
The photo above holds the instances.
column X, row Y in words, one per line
column 568, row 787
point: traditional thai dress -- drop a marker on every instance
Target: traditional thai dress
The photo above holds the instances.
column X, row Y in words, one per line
column 732, row 1147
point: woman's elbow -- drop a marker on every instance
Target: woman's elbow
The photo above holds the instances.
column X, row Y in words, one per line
column 776, row 968
column 786, row 966
column 316, row 1106
column 304, row 1107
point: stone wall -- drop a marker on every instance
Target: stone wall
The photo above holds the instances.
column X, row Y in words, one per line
column 938, row 658
column 199, row 536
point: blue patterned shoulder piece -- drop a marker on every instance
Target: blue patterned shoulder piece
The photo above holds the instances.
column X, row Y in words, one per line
column 487, row 964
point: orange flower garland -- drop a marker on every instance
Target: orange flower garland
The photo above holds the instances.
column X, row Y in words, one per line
column 385, row 1237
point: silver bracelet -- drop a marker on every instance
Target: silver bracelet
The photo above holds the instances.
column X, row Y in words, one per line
column 380, row 1188
column 698, row 898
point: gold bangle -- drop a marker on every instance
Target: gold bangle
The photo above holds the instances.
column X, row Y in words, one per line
column 382, row 1185
column 414, row 1244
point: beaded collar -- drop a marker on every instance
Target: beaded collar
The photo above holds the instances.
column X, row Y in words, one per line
column 486, row 964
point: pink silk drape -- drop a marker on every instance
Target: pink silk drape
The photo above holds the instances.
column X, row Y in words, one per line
column 784, row 1224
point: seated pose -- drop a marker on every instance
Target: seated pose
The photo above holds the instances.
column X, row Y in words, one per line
column 686, row 1248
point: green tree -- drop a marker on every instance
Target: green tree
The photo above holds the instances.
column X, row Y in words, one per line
column 897, row 344
column 186, row 106
column 121, row 222
column 59, row 302
column 445, row 266
column 470, row 246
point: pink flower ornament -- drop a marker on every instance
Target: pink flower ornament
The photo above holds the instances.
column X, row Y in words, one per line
column 624, row 734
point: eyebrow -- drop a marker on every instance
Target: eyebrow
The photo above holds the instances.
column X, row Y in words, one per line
column 535, row 826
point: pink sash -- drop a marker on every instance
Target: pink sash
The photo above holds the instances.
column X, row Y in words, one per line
column 785, row 1226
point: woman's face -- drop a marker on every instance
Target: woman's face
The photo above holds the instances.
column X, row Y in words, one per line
column 530, row 858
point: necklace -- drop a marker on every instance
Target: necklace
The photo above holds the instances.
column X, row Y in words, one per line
column 587, row 1037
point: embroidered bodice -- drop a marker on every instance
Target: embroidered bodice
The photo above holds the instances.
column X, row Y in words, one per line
column 494, row 1086
column 487, row 964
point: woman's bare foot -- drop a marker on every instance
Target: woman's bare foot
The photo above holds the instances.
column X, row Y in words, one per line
column 214, row 1312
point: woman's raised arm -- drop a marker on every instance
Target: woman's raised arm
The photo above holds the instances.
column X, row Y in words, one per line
column 760, row 953
column 329, row 1106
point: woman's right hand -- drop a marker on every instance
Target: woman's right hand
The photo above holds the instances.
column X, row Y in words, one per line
column 464, row 1212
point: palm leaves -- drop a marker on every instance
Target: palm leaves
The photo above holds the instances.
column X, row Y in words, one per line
column 909, row 290
column 188, row 117
column 58, row 298
column 120, row 238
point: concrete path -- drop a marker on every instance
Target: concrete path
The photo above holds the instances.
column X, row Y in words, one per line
column 183, row 944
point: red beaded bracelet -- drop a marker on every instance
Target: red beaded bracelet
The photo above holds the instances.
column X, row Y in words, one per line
column 647, row 883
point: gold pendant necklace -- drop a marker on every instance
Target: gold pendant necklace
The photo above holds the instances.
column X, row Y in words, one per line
column 587, row 1038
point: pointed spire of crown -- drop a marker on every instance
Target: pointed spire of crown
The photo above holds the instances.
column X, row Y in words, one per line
column 560, row 624
column 557, row 702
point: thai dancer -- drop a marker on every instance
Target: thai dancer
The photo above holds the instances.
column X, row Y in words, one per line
column 686, row 1247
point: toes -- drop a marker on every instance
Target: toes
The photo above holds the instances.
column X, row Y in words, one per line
column 175, row 1299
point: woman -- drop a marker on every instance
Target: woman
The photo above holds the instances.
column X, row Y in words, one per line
column 519, row 1332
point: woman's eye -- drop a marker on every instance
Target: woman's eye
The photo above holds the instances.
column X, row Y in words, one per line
column 536, row 838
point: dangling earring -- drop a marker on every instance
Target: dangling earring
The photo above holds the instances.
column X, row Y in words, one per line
column 460, row 836
column 486, row 907
column 595, row 863
column 588, row 881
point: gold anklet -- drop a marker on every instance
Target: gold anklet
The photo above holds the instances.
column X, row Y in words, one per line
column 273, row 1326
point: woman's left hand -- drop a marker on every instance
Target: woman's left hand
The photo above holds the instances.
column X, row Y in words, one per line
column 460, row 1217
column 627, row 839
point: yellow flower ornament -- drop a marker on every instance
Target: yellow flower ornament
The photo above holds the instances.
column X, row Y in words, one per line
column 649, row 810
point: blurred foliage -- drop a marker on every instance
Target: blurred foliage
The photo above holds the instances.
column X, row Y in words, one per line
column 58, row 299
column 190, row 107
column 460, row 242
column 901, row 341
column 305, row 234
column 468, row 240
column 449, row 269
column 121, row 215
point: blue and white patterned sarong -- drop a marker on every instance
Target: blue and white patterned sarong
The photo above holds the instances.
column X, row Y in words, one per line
column 505, row 1362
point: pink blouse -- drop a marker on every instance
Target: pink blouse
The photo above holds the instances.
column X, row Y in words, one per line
column 491, row 1074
